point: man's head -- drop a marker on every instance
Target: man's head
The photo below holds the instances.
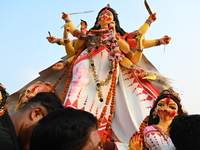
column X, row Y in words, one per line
column 67, row 128
column 36, row 108
column 185, row 132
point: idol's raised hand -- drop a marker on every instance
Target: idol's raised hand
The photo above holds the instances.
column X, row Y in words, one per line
column 152, row 17
column 65, row 16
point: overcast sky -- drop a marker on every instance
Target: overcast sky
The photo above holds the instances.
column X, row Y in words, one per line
column 25, row 50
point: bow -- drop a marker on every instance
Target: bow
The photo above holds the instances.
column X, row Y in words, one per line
column 147, row 7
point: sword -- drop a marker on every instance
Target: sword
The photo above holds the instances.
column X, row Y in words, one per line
column 82, row 12
column 147, row 7
column 78, row 13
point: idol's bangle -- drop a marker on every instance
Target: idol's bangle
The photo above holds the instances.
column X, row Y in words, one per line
column 58, row 41
column 65, row 63
column 158, row 42
column 139, row 50
column 148, row 21
column 82, row 37
column 66, row 41
column 67, row 20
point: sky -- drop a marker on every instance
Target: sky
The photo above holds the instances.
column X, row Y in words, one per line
column 25, row 51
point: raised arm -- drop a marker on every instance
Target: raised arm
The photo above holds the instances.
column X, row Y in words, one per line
column 67, row 20
column 144, row 28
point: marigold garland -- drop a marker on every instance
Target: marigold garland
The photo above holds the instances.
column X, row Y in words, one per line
column 99, row 31
column 115, row 54
column 62, row 75
column 2, row 110
column 111, row 94
column 70, row 68
column 124, row 36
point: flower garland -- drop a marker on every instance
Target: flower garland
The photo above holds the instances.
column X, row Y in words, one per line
column 109, row 41
column 3, row 109
column 94, row 41
column 70, row 68
column 99, row 83
column 115, row 57
column 111, row 95
column 99, row 31
column 62, row 75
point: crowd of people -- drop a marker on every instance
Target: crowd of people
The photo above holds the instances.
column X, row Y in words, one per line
column 43, row 123
column 112, row 95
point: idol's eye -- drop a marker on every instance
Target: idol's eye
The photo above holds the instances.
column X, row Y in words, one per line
column 160, row 104
column 172, row 107
column 28, row 91
column 100, row 14
column 109, row 14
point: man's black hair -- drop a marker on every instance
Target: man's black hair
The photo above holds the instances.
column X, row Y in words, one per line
column 64, row 129
column 185, row 132
column 47, row 99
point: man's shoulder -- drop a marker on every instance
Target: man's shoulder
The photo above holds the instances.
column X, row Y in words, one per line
column 8, row 139
column 5, row 119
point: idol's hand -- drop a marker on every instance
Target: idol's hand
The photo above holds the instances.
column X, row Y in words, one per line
column 135, row 142
column 165, row 40
column 58, row 66
column 51, row 39
column 65, row 16
column 152, row 17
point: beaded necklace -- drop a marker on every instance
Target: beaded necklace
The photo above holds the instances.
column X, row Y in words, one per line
column 99, row 83
column 93, row 43
column 114, row 57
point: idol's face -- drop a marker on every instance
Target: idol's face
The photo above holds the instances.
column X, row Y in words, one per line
column 167, row 109
column 32, row 90
column 105, row 17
